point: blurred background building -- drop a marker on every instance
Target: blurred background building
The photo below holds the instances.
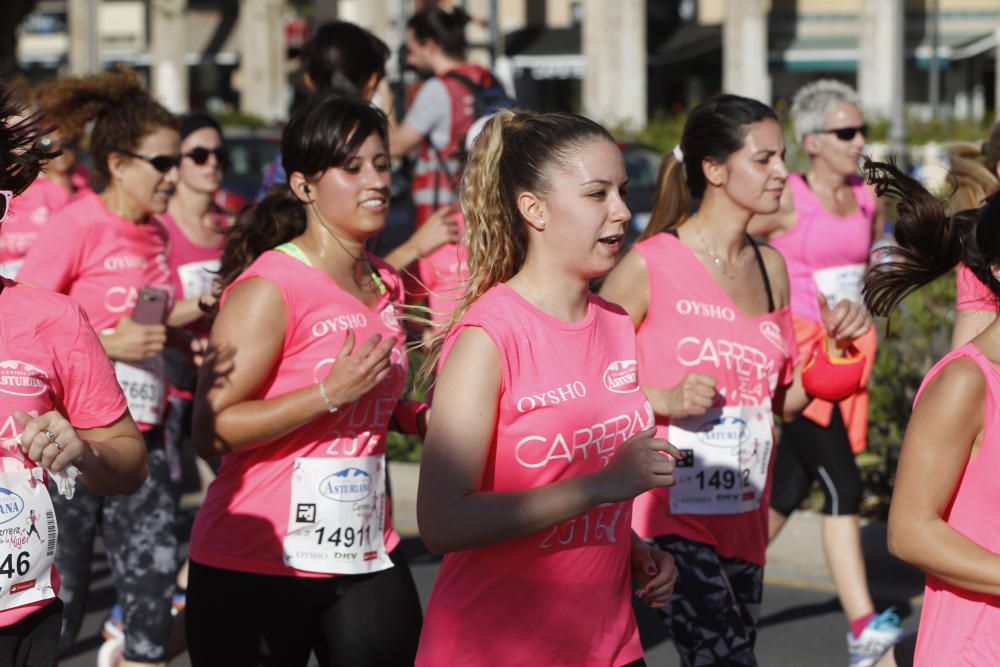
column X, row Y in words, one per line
column 620, row 61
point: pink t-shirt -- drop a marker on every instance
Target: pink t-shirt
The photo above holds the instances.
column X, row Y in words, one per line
column 50, row 359
column 245, row 517
column 958, row 626
column 823, row 247
column 973, row 294
column 102, row 260
column 29, row 212
column 692, row 326
column 444, row 273
column 568, row 399
column 99, row 259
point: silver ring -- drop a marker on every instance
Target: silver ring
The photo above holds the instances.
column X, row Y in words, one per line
column 50, row 435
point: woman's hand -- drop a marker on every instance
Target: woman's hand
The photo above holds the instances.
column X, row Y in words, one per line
column 655, row 571
column 845, row 321
column 356, row 372
column 55, row 452
column 640, row 464
column 692, row 396
column 131, row 341
column 440, row 228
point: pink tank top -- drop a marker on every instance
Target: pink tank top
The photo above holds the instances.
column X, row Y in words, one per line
column 28, row 214
column 247, row 513
column 692, row 326
column 973, row 294
column 957, row 626
column 50, row 359
column 569, row 398
column 825, row 250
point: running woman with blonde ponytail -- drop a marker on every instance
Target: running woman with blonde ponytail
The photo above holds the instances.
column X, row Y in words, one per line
column 540, row 436
column 717, row 358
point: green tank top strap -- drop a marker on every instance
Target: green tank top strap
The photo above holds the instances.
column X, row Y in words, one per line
column 293, row 250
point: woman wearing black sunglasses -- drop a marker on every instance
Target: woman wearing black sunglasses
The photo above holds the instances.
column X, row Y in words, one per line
column 824, row 230
column 108, row 252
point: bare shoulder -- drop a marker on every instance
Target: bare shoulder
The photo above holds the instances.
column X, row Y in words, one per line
column 254, row 306
column 959, row 386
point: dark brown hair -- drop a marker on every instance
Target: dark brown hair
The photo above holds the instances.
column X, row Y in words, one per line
column 991, row 149
column 21, row 156
column 122, row 111
column 322, row 134
column 446, row 28
column 715, row 129
column 929, row 241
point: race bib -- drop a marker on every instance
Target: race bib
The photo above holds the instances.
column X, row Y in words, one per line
column 841, row 283
column 197, row 278
column 9, row 269
column 28, row 536
column 726, row 456
column 142, row 384
column 337, row 515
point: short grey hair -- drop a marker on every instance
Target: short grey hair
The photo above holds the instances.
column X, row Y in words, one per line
column 815, row 101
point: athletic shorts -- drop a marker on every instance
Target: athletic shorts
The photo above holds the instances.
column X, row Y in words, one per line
column 809, row 452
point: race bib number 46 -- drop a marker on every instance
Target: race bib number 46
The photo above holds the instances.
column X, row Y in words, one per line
column 28, row 536
column 336, row 517
column 726, row 456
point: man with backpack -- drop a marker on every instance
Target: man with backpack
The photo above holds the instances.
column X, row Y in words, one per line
column 445, row 108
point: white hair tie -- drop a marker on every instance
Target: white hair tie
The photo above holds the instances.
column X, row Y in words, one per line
column 678, row 154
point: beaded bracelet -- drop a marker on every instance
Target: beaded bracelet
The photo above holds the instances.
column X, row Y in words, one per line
column 330, row 407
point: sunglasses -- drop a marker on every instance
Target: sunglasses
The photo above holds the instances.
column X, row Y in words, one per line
column 847, row 133
column 200, row 155
column 5, row 197
column 161, row 163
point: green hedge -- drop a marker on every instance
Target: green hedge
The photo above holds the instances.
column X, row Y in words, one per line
column 919, row 334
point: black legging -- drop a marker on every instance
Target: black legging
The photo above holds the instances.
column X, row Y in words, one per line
column 239, row 618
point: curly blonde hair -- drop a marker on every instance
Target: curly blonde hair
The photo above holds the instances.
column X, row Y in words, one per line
column 516, row 152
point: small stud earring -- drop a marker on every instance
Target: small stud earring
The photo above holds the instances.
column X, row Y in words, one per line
column 541, row 223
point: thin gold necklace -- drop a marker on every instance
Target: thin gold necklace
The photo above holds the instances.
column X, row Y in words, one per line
column 711, row 253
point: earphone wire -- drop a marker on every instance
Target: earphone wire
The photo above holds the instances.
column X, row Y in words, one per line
column 376, row 278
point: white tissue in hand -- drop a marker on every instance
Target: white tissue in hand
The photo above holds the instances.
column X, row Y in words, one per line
column 66, row 481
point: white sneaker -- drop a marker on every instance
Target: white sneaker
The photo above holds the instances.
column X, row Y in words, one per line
column 881, row 633
column 111, row 653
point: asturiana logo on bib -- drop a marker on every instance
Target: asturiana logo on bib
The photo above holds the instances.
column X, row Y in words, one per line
column 622, row 377
column 11, row 505
column 20, row 379
column 347, row 486
column 724, row 432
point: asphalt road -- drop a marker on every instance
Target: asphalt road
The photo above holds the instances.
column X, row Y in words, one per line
column 801, row 625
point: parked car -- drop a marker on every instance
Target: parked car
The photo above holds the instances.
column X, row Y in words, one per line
column 252, row 151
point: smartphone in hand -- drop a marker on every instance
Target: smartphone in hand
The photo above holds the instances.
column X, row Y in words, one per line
column 150, row 306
